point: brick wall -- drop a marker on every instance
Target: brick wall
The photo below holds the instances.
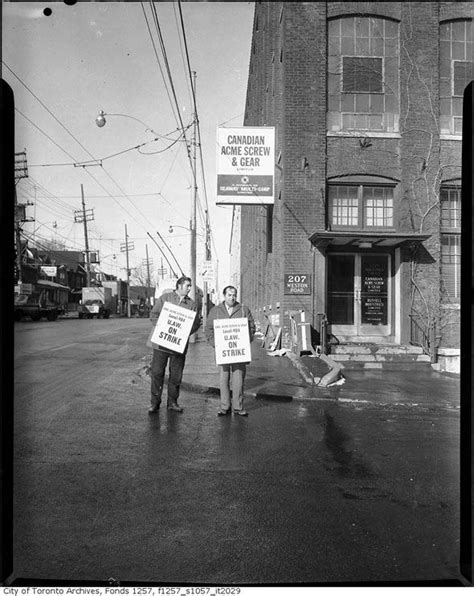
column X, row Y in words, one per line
column 287, row 89
column 420, row 145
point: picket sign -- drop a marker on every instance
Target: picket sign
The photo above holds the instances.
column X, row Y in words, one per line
column 232, row 340
column 173, row 328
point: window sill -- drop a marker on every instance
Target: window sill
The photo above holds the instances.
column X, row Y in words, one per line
column 446, row 137
column 456, row 306
column 363, row 134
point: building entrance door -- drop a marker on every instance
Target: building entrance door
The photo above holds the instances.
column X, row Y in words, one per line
column 358, row 295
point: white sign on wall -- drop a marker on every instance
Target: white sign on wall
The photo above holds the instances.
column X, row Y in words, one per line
column 245, row 165
column 173, row 327
column 232, row 340
column 50, row 271
column 207, row 271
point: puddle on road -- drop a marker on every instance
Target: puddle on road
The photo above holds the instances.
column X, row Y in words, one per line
column 338, row 444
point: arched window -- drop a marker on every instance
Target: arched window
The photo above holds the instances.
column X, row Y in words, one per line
column 363, row 77
column 456, row 71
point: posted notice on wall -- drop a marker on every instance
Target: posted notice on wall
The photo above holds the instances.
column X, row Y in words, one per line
column 173, row 328
column 232, row 341
column 245, row 165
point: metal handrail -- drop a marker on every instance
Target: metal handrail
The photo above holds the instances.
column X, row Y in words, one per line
column 424, row 336
column 323, row 332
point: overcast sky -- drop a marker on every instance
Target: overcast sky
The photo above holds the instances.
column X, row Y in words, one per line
column 65, row 67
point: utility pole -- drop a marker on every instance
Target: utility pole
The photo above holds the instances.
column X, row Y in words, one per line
column 21, row 171
column 125, row 247
column 83, row 217
column 192, row 223
column 162, row 271
column 208, row 258
column 147, row 263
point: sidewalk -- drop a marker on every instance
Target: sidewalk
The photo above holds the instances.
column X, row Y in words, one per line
column 288, row 377
column 268, row 377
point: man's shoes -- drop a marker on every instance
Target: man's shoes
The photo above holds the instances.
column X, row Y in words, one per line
column 154, row 410
column 223, row 412
column 240, row 412
column 175, row 408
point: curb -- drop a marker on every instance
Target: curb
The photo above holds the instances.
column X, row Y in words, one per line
column 206, row 390
column 398, row 404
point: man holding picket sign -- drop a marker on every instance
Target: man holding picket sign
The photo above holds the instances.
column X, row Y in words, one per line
column 174, row 318
column 230, row 329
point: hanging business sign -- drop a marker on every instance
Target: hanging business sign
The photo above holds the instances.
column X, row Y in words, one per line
column 232, row 340
column 50, row 271
column 298, row 283
column 173, row 328
column 245, row 165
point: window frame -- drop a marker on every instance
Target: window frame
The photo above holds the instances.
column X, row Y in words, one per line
column 382, row 73
column 450, row 232
column 361, row 206
column 453, row 87
column 451, row 119
column 380, row 120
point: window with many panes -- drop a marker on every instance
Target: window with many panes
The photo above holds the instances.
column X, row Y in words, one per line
column 363, row 79
column 456, row 71
column 360, row 206
column 450, row 199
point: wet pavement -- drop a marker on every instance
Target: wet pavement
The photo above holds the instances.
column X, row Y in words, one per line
column 283, row 377
column 306, row 490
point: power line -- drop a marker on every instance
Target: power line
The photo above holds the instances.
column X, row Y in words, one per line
column 170, row 78
column 197, row 123
column 159, row 63
column 46, row 108
column 71, row 156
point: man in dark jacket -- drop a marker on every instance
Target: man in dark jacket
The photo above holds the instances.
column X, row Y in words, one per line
column 231, row 375
column 162, row 355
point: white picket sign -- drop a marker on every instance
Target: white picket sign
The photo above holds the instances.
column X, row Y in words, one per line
column 232, row 341
column 173, row 327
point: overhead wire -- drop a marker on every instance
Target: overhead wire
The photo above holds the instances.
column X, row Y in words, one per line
column 88, row 163
column 72, row 157
column 207, row 215
column 87, row 171
column 159, row 63
column 170, row 78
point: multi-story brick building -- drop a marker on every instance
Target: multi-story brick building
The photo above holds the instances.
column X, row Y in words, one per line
column 366, row 100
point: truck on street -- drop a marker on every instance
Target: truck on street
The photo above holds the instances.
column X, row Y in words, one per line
column 96, row 302
column 43, row 298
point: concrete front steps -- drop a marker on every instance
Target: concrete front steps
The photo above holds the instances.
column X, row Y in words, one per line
column 375, row 356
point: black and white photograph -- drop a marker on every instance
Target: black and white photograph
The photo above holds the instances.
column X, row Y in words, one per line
column 234, row 275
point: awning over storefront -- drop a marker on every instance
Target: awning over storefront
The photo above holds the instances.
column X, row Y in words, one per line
column 52, row 284
column 354, row 239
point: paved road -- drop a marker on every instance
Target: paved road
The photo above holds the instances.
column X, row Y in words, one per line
column 298, row 492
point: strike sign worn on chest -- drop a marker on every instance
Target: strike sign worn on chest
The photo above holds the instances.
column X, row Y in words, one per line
column 173, row 327
column 232, row 341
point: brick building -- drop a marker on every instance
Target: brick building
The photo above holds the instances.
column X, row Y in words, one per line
column 366, row 101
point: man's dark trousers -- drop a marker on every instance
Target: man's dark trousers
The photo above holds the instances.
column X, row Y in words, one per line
column 158, row 369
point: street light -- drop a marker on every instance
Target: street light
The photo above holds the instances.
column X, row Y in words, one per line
column 101, row 121
column 171, row 228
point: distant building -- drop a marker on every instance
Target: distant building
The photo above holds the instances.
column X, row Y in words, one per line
column 366, row 99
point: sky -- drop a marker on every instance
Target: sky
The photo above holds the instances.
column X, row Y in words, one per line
column 66, row 67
